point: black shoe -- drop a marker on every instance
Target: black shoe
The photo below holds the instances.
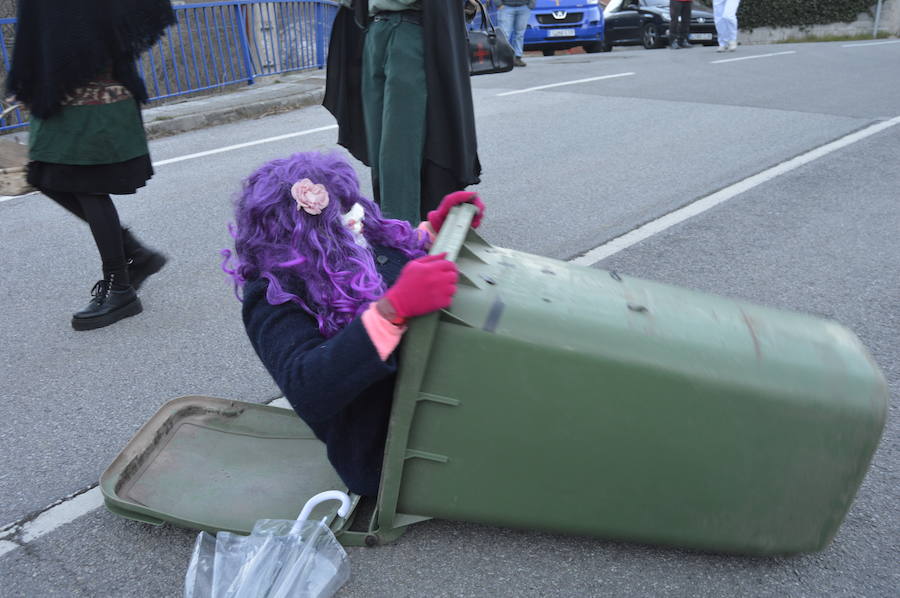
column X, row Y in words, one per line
column 144, row 264
column 517, row 61
column 109, row 304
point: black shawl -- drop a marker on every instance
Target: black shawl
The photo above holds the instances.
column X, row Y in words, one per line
column 62, row 44
column 450, row 144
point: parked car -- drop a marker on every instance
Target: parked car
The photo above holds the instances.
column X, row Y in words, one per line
column 563, row 24
column 646, row 22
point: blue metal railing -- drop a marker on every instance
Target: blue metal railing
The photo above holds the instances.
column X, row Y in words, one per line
column 216, row 44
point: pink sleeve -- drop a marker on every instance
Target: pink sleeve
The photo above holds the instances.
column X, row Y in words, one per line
column 385, row 336
column 427, row 229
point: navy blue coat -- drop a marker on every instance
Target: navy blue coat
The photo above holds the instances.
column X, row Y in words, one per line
column 339, row 386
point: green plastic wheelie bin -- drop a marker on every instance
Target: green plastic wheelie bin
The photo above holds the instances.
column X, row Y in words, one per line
column 562, row 398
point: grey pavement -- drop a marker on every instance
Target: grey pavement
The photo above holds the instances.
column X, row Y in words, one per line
column 566, row 169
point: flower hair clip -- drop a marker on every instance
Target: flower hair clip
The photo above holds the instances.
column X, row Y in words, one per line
column 310, row 197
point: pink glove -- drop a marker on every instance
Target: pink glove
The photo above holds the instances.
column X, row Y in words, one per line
column 436, row 217
column 425, row 285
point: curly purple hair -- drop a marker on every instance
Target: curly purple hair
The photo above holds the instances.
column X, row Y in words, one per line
column 312, row 260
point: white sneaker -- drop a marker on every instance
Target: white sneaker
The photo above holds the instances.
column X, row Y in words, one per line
column 732, row 46
column 722, row 49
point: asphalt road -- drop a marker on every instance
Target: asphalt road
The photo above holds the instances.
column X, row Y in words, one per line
column 566, row 169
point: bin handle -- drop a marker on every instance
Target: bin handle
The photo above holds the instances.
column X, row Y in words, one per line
column 321, row 497
column 454, row 231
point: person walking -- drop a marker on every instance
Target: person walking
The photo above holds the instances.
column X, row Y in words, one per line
column 397, row 83
column 725, row 14
column 680, row 26
column 74, row 69
column 513, row 17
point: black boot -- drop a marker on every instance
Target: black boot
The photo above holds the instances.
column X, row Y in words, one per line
column 142, row 262
column 110, row 303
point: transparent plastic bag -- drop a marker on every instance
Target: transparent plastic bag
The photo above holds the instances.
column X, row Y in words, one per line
column 198, row 580
column 279, row 559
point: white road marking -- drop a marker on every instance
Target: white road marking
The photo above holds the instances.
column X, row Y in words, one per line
column 9, row 197
column 753, row 57
column 7, row 547
column 229, row 148
column 858, row 45
column 526, row 90
column 703, row 204
column 220, row 150
column 66, row 511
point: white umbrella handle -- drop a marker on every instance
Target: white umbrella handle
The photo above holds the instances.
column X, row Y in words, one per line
column 313, row 502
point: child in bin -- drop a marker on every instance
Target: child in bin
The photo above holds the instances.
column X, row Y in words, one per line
column 328, row 285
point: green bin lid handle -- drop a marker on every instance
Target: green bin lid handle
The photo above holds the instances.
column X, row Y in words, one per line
column 453, row 232
column 313, row 502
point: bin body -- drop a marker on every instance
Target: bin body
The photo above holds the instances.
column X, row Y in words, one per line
column 563, row 398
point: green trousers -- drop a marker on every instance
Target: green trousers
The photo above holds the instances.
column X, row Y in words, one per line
column 394, row 97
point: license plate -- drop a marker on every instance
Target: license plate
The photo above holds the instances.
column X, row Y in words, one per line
column 561, row 33
column 701, row 36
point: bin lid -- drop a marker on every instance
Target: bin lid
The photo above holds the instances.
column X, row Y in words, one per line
column 215, row 464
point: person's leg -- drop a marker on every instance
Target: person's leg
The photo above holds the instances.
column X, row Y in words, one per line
column 520, row 21
column 673, row 24
column 684, row 22
column 142, row 261
column 67, row 201
column 403, row 123
column 721, row 24
column 373, row 79
column 101, row 215
column 505, row 21
column 113, row 298
column 729, row 15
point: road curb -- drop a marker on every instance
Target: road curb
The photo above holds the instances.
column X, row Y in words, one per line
column 165, row 126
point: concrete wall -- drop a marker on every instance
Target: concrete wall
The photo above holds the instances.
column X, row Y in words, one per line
column 864, row 25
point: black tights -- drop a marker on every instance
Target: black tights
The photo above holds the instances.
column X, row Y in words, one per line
column 100, row 213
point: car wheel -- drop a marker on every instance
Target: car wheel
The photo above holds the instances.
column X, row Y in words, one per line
column 650, row 37
column 605, row 46
column 593, row 48
column 548, row 52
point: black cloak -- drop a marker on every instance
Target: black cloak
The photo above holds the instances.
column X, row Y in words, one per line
column 450, row 160
column 62, row 44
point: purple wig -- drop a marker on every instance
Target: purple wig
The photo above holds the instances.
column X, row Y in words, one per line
column 312, row 260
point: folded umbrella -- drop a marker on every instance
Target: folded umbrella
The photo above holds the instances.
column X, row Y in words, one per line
column 280, row 558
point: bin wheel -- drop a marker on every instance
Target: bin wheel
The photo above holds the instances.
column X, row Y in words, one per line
column 371, row 541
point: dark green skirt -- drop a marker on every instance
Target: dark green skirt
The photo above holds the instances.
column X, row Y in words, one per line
column 98, row 149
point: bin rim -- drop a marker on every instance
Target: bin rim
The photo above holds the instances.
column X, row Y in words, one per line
column 415, row 353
